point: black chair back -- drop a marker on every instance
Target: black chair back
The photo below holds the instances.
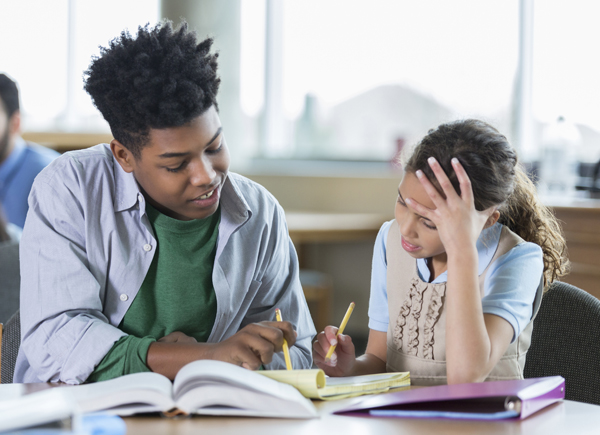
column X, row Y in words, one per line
column 566, row 342
column 11, row 340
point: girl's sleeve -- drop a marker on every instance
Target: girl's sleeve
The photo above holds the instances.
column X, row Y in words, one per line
column 378, row 305
column 511, row 285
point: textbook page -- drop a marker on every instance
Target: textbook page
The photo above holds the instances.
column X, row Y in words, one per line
column 315, row 385
column 217, row 388
column 126, row 395
column 19, row 412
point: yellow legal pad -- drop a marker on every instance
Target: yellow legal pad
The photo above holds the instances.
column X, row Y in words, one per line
column 315, row 385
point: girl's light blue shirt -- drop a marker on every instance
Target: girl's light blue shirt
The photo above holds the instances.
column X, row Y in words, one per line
column 510, row 284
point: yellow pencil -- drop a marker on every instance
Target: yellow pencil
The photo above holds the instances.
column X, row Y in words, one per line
column 286, row 350
column 340, row 330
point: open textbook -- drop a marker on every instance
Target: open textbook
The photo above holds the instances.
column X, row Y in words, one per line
column 204, row 387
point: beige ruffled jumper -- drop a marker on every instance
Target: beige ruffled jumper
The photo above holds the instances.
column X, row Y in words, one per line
column 416, row 337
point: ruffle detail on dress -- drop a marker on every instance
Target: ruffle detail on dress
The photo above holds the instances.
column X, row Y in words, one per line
column 410, row 313
column 433, row 314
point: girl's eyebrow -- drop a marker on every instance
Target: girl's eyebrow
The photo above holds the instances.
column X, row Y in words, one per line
column 404, row 202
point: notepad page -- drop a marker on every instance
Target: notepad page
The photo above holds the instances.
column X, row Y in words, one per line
column 361, row 379
column 313, row 383
column 357, row 385
column 308, row 382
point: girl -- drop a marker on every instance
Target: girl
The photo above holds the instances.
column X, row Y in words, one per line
column 458, row 275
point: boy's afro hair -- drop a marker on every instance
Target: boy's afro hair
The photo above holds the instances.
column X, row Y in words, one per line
column 162, row 78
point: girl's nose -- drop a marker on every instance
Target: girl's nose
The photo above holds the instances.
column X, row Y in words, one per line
column 407, row 225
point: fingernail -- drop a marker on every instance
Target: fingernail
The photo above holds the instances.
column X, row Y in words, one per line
column 419, row 173
column 333, row 360
column 333, row 342
column 431, row 160
column 408, row 201
column 455, row 160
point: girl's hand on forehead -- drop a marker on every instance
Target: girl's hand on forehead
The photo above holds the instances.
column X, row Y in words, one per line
column 457, row 221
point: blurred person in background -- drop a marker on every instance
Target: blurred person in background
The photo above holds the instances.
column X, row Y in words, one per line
column 20, row 161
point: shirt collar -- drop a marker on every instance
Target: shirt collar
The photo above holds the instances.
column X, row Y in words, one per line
column 487, row 243
column 13, row 158
column 127, row 191
column 233, row 202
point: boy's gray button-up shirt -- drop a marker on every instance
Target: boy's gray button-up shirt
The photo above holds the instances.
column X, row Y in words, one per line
column 88, row 244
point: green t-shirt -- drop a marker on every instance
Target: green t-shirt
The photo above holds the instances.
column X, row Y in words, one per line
column 176, row 295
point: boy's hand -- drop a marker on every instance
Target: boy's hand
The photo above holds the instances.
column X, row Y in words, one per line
column 343, row 359
column 254, row 344
column 177, row 337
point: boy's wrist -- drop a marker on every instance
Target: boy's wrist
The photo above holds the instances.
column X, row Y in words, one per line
column 168, row 358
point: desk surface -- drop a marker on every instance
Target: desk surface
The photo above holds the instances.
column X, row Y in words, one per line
column 562, row 418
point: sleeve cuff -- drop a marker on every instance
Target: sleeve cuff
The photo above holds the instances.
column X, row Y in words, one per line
column 506, row 315
column 377, row 325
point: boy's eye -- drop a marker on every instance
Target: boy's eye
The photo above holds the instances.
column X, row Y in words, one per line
column 178, row 168
column 216, row 150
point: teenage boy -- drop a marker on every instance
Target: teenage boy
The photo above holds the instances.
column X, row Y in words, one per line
column 146, row 254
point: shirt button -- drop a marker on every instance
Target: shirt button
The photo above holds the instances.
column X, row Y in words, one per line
column 147, row 247
column 123, row 297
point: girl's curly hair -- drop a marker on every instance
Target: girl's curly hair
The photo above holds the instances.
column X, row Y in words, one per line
column 497, row 179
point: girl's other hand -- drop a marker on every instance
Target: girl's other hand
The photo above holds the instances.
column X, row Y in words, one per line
column 458, row 222
column 343, row 358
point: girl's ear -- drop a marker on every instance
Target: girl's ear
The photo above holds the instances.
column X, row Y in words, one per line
column 492, row 219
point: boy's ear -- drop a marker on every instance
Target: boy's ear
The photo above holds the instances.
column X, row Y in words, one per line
column 492, row 219
column 125, row 157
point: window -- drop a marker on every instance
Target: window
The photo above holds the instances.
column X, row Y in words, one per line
column 46, row 45
column 566, row 72
column 349, row 79
column 360, row 79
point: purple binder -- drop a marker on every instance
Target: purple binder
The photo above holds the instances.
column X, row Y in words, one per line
column 516, row 399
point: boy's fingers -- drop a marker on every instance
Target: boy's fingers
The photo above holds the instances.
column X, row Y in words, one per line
column 286, row 328
column 262, row 348
column 248, row 359
column 275, row 332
